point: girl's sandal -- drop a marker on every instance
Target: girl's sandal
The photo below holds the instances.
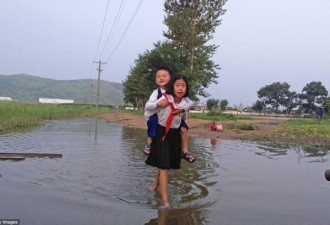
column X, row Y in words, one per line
column 187, row 156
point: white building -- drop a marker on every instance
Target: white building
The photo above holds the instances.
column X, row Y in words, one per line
column 55, row 101
column 6, row 99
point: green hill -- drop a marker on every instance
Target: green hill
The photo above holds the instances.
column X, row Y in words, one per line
column 27, row 88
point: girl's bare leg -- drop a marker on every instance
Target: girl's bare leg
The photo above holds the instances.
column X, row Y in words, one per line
column 163, row 181
column 155, row 185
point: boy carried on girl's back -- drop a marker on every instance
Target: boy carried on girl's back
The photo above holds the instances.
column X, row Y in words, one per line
column 165, row 153
column 162, row 78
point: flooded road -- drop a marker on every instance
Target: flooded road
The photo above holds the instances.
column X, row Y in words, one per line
column 102, row 179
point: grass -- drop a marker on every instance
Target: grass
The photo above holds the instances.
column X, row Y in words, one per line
column 217, row 116
column 22, row 115
column 309, row 128
column 241, row 126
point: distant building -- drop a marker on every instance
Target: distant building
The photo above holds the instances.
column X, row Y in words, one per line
column 6, row 99
column 55, row 101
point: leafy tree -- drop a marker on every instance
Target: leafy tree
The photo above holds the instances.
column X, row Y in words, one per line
column 275, row 94
column 141, row 81
column 291, row 101
column 212, row 104
column 313, row 93
column 258, row 106
column 134, row 89
column 223, row 104
column 326, row 105
column 191, row 25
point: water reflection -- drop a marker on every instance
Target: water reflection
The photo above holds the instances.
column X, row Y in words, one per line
column 178, row 217
column 272, row 150
column 102, row 179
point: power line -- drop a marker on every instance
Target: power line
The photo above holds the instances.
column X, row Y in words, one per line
column 105, row 16
column 126, row 29
column 114, row 26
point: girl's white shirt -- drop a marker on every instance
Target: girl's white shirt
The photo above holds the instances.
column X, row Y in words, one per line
column 151, row 105
column 164, row 112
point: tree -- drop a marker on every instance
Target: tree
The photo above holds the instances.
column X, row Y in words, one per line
column 313, row 93
column 258, row 106
column 134, row 89
column 191, row 25
column 140, row 83
column 223, row 104
column 325, row 106
column 212, row 104
column 274, row 94
column 291, row 101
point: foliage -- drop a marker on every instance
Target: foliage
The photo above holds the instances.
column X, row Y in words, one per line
column 290, row 102
column 22, row 115
column 242, row 126
column 275, row 94
column 212, row 104
column 325, row 105
column 223, row 104
column 191, row 24
column 258, row 106
column 310, row 128
column 140, row 83
column 313, row 93
column 218, row 116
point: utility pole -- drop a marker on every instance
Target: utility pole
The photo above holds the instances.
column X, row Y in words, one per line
column 98, row 83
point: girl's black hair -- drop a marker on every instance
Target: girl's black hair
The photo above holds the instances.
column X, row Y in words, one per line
column 170, row 86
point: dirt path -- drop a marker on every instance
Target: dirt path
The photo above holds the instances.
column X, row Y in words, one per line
column 201, row 128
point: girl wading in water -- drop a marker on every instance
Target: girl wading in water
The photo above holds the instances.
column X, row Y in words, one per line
column 165, row 151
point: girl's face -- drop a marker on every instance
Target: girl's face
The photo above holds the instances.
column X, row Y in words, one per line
column 179, row 88
column 162, row 78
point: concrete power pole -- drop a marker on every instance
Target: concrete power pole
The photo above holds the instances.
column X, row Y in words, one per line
column 98, row 83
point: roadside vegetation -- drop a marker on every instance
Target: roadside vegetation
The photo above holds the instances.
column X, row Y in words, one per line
column 219, row 116
column 312, row 129
column 23, row 115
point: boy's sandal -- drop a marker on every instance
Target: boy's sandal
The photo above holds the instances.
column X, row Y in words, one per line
column 147, row 149
column 187, row 156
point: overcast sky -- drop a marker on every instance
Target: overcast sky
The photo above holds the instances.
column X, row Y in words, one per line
column 261, row 41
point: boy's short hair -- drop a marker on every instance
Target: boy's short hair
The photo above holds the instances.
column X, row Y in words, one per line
column 170, row 86
column 163, row 68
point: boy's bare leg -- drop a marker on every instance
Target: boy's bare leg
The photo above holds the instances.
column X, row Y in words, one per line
column 163, row 181
column 147, row 150
column 149, row 140
column 184, row 143
column 184, row 139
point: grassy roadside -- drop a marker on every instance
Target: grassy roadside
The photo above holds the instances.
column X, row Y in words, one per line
column 292, row 132
column 309, row 131
column 312, row 129
column 15, row 115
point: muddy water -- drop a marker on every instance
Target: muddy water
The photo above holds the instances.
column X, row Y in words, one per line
column 102, row 179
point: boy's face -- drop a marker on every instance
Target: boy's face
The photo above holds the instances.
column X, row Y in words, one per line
column 162, row 78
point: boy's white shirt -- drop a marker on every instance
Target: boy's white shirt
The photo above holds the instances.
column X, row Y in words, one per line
column 151, row 105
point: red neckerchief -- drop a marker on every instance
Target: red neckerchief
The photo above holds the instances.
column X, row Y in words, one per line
column 170, row 118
